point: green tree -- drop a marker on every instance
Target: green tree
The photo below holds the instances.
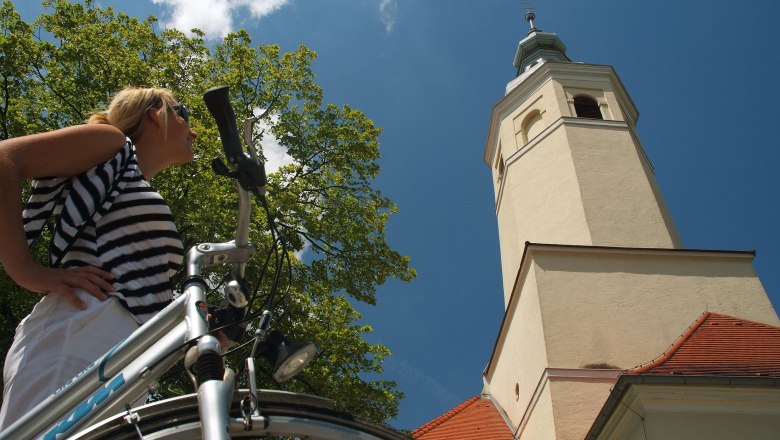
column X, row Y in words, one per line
column 66, row 64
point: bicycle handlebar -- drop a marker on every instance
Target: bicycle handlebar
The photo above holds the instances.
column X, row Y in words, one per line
column 218, row 103
column 248, row 170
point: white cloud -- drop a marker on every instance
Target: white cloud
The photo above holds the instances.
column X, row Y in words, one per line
column 261, row 8
column 214, row 17
column 275, row 153
column 388, row 11
column 275, row 157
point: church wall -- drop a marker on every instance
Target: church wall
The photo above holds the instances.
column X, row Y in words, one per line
column 563, row 179
column 541, row 203
column 583, row 314
column 541, row 425
column 614, row 181
column 576, row 402
column 522, row 359
column 626, row 309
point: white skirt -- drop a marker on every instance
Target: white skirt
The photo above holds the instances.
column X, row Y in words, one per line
column 56, row 342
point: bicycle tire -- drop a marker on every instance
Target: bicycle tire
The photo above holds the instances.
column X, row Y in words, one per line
column 288, row 415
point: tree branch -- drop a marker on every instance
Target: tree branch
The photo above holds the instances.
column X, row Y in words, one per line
column 313, row 241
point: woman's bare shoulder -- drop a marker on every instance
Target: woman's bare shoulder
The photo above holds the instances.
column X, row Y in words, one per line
column 64, row 152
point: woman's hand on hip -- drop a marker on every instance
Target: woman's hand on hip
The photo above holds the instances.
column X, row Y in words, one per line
column 56, row 281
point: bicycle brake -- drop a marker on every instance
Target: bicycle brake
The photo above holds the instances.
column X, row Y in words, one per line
column 228, row 317
column 235, row 293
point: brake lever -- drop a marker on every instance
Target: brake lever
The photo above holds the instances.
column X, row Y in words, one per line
column 220, row 169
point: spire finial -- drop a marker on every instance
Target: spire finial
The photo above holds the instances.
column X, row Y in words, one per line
column 530, row 17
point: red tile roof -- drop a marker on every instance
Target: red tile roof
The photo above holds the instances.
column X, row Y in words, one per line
column 720, row 345
column 474, row 419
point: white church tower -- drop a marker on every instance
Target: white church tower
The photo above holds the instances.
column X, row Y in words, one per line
column 596, row 280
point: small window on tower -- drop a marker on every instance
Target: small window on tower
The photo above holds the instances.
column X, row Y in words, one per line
column 587, row 107
column 499, row 164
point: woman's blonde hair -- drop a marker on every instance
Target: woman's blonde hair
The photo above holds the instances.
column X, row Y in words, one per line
column 128, row 108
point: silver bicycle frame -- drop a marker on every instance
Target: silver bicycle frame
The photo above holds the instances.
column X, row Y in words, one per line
column 130, row 369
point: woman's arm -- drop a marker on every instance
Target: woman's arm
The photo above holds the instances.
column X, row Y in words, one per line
column 60, row 153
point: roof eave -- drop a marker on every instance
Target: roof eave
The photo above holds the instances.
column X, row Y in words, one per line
column 625, row 381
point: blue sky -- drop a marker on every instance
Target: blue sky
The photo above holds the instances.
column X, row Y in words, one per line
column 702, row 74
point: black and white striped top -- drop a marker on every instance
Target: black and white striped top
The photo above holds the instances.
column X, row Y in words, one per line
column 111, row 218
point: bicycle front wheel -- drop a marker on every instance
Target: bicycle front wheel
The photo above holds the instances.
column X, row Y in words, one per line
column 284, row 415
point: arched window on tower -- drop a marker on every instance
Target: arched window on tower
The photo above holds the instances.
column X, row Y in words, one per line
column 532, row 126
column 587, row 107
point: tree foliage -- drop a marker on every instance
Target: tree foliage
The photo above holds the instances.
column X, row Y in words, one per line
column 57, row 70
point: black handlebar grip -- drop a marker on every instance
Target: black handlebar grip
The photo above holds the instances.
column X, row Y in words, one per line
column 218, row 103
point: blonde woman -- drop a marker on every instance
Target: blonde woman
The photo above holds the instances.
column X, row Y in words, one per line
column 114, row 244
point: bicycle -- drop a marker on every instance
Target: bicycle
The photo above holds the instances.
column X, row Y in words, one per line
column 95, row 404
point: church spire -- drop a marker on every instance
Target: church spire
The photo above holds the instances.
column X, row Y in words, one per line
column 530, row 17
column 538, row 46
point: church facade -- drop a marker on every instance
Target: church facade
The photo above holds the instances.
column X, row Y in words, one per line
column 603, row 303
